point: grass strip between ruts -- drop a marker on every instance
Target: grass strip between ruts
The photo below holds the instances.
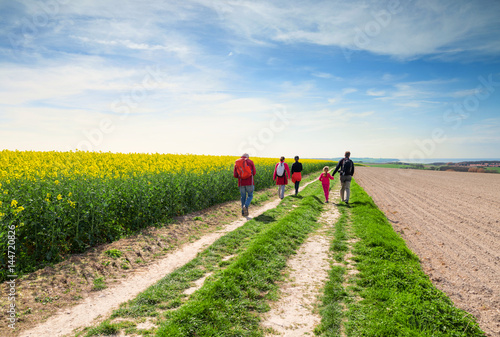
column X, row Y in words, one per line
column 333, row 292
column 168, row 292
column 398, row 299
column 230, row 304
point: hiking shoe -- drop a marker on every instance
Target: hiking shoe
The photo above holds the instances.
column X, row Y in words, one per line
column 243, row 211
column 246, row 210
column 347, row 202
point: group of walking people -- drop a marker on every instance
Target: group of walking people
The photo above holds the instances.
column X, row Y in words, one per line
column 244, row 170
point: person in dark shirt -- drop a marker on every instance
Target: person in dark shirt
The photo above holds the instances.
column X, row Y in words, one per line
column 296, row 174
column 346, row 169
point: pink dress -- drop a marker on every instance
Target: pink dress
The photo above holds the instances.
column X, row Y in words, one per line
column 325, row 181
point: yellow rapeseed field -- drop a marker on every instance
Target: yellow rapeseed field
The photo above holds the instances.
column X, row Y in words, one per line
column 66, row 202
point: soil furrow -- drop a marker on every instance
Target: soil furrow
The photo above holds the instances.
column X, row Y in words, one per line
column 471, row 236
column 451, row 220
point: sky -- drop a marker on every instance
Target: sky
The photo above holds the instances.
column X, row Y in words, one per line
column 382, row 79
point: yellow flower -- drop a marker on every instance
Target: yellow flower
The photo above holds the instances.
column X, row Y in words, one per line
column 13, row 203
column 59, row 197
column 18, row 210
column 70, row 194
column 56, row 182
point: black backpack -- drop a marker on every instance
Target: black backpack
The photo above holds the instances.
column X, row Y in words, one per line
column 347, row 167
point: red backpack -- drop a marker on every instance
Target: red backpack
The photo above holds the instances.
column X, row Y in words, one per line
column 244, row 171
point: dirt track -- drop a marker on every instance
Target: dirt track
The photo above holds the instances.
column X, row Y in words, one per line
column 451, row 220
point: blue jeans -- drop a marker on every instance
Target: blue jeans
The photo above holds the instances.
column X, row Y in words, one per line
column 245, row 202
column 281, row 191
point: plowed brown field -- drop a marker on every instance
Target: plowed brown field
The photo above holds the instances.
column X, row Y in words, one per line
column 451, row 220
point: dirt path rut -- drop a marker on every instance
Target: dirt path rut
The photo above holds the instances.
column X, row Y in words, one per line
column 101, row 304
column 293, row 314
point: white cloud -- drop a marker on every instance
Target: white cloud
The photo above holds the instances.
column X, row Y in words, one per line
column 331, row 119
column 181, row 50
column 340, row 96
column 409, row 104
column 373, row 92
column 407, row 30
column 347, row 91
column 466, row 92
column 292, row 90
column 226, row 64
column 26, row 84
column 322, row 75
column 488, row 127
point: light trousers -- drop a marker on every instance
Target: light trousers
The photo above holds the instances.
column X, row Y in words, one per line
column 345, row 189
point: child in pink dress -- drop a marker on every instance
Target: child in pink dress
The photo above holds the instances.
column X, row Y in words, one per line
column 325, row 178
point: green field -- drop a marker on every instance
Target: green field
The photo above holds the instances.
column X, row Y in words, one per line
column 493, row 169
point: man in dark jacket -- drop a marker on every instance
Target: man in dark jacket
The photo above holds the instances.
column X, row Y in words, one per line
column 346, row 169
column 246, row 185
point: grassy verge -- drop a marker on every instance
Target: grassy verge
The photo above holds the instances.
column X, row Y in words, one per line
column 230, row 303
column 398, row 299
column 391, row 295
column 168, row 293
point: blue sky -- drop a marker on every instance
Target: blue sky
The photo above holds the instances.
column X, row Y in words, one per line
column 399, row 79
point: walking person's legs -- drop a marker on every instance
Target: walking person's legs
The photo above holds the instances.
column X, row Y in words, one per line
column 249, row 190
column 326, row 190
column 297, row 183
column 281, row 191
column 342, row 189
column 347, row 189
column 243, row 194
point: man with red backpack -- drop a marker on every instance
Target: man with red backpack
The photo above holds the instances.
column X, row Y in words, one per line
column 244, row 170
